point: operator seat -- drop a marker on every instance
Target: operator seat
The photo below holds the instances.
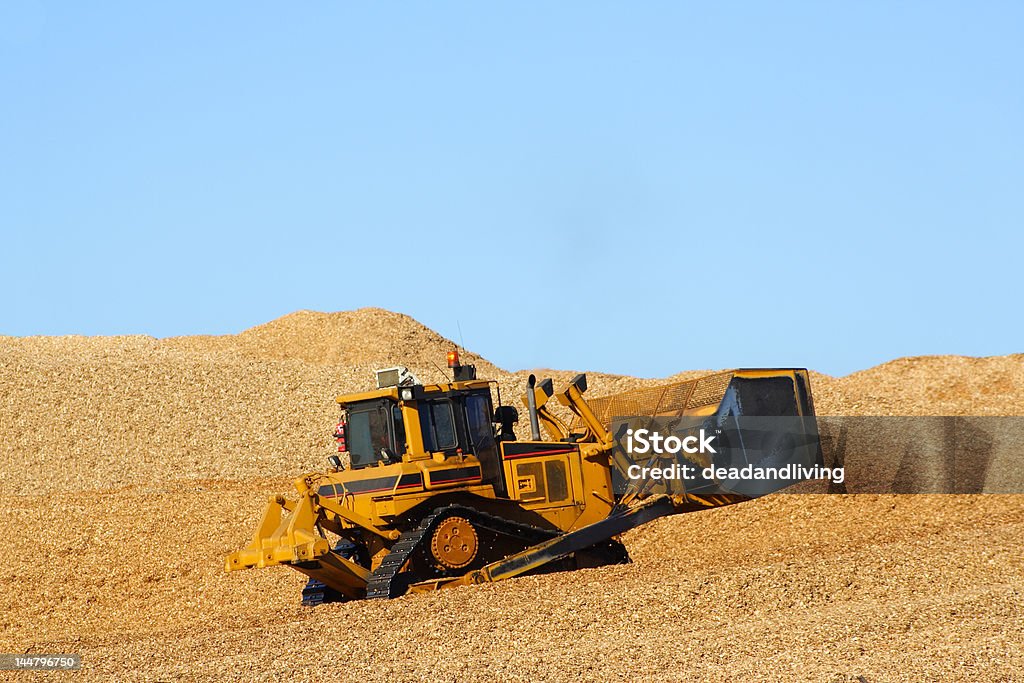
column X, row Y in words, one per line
column 506, row 416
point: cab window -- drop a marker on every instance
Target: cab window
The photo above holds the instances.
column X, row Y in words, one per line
column 438, row 425
column 399, row 429
column 481, row 433
column 368, row 433
column 478, row 418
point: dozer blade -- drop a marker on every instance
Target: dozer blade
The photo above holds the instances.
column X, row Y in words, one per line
column 287, row 536
column 752, row 392
column 337, row 572
column 759, row 416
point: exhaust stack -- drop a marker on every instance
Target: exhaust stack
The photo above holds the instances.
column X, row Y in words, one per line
column 531, row 404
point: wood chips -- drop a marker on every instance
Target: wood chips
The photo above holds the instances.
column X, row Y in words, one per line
column 132, row 466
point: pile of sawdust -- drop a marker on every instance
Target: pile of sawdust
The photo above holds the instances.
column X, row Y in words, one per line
column 367, row 337
column 133, row 465
column 93, row 413
column 929, row 385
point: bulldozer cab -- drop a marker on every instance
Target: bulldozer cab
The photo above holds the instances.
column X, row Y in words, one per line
column 458, row 421
column 417, row 422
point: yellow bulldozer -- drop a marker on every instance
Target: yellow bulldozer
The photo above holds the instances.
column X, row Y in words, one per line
column 439, row 491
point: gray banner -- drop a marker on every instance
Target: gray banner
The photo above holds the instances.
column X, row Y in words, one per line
column 754, row 456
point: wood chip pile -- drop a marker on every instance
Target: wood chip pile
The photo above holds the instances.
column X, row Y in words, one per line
column 131, row 466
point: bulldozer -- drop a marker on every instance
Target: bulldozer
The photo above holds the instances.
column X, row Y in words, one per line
column 439, row 491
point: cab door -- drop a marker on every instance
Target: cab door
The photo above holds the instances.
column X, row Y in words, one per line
column 481, row 436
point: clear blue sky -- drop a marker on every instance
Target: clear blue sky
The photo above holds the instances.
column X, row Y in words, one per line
column 630, row 187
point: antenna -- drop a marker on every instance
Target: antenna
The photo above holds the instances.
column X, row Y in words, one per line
column 443, row 373
column 462, row 342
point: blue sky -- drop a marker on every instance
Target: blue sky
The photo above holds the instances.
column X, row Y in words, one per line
column 629, row 187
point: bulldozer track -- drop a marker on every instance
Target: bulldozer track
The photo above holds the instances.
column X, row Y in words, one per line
column 386, row 581
column 317, row 593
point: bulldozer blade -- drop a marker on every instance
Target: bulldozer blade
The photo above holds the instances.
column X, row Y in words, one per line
column 337, row 572
column 758, row 416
